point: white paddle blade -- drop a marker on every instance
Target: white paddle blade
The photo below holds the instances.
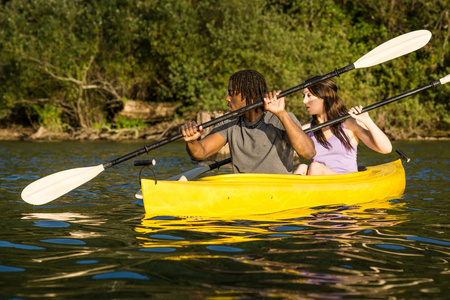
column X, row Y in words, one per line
column 445, row 79
column 55, row 185
column 139, row 195
column 189, row 175
column 394, row 48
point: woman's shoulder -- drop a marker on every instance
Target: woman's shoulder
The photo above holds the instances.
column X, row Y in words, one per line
column 350, row 124
column 306, row 125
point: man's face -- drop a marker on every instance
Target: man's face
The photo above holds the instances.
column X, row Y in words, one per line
column 234, row 102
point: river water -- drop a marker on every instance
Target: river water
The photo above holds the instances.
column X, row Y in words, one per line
column 95, row 241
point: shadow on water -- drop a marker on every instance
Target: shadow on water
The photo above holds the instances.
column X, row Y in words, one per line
column 96, row 241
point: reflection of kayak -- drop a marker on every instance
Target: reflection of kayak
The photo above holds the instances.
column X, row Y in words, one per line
column 205, row 231
column 238, row 195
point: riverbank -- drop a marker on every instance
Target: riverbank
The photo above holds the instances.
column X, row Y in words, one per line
column 161, row 123
column 154, row 132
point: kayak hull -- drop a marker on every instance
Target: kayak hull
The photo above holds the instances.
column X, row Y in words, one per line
column 239, row 195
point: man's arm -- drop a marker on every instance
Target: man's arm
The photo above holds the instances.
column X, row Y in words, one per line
column 200, row 149
column 300, row 141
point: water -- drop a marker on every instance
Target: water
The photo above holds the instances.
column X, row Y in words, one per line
column 96, row 243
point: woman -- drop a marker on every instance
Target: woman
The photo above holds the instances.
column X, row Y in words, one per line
column 336, row 145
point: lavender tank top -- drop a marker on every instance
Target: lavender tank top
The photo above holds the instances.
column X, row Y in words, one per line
column 337, row 158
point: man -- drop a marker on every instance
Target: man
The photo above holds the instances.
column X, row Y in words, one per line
column 262, row 140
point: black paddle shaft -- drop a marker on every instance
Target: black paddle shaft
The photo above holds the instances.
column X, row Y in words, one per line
column 376, row 105
column 230, row 115
column 365, row 109
column 282, row 94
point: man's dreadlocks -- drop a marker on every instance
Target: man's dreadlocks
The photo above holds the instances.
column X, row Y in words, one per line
column 250, row 84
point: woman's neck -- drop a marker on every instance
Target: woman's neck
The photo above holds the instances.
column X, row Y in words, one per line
column 321, row 118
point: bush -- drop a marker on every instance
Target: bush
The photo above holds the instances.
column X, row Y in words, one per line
column 83, row 57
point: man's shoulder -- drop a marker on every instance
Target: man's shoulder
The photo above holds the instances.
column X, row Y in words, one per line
column 231, row 121
column 293, row 117
column 225, row 124
column 271, row 118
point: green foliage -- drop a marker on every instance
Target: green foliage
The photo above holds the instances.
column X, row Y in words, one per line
column 127, row 123
column 121, row 122
column 101, row 125
column 83, row 57
column 49, row 117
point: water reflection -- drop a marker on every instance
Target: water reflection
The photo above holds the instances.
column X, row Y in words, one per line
column 65, row 218
column 343, row 221
column 317, row 246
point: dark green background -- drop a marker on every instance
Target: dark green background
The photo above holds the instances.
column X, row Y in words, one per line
column 71, row 64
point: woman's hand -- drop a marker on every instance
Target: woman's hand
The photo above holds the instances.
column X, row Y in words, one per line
column 368, row 132
column 355, row 113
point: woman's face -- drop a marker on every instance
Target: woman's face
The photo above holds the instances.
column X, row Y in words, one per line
column 313, row 104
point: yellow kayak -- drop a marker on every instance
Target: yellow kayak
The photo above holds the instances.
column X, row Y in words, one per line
column 244, row 195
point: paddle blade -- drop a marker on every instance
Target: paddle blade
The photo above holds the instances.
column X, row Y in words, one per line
column 394, row 48
column 191, row 174
column 138, row 194
column 55, row 185
column 445, row 79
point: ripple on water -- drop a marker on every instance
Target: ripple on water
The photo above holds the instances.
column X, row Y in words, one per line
column 166, row 237
column 159, row 249
column 64, row 241
column 224, row 249
column 10, row 269
column 19, row 246
column 87, row 261
column 121, row 275
column 51, row 224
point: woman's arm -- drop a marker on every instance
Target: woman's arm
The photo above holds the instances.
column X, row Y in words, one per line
column 367, row 131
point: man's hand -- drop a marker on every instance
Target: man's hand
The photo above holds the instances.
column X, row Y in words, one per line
column 190, row 131
column 274, row 104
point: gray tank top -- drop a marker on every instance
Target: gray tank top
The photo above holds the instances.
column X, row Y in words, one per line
column 262, row 146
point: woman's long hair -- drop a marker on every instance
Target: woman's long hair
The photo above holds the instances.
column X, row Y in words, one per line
column 334, row 107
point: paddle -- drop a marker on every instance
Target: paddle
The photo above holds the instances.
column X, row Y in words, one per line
column 53, row 186
column 202, row 170
column 432, row 84
column 191, row 174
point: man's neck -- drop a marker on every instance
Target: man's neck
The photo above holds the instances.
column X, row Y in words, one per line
column 252, row 115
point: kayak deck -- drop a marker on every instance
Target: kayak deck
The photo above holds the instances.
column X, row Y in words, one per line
column 238, row 195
